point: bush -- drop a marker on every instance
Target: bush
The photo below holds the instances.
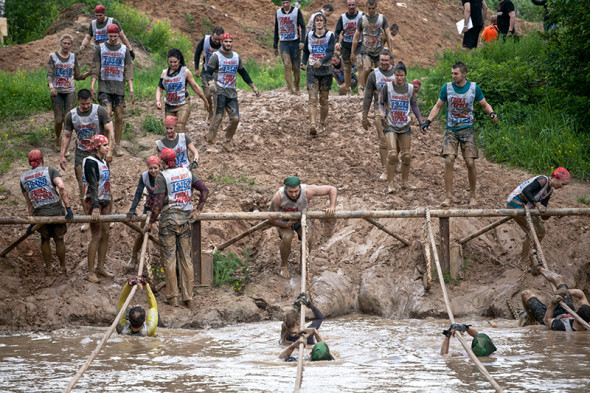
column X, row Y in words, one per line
column 153, row 125
column 228, row 268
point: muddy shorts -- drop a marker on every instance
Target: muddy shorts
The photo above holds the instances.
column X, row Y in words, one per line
column 114, row 100
column 464, row 137
column 62, row 104
column 346, row 52
column 297, row 228
column 538, row 309
column 319, row 82
column 105, row 207
column 79, row 157
column 55, row 231
column 224, row 102
column 292, row 49
column 370, row 61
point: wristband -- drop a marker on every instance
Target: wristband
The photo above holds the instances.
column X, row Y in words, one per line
column 493, row 114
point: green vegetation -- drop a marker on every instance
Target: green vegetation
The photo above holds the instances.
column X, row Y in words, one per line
column 11, row 138
column 524, row 9
column 228, row 268
column 584, row 201
column 153, row 125
column 517, row 78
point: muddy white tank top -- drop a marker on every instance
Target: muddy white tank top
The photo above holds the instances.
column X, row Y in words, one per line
column 288, row 24
column 85, row 126
column 373, row 35
column 544, row 193
column 112, row 63
column 63, row 75
column 175, row 86
column 180, row 149
column 460, row 107
column 318, row 47
column 104, row 180
column 228, row 69
column 146, row 182
column 208, row 50
column 399, row 106
column 100, row 35
column 179, row 187
column 39, row 186
column 300, row 204
column 349, row 27
column 381, row 79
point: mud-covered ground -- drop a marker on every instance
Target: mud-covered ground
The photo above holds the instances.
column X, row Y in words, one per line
column 355, row 266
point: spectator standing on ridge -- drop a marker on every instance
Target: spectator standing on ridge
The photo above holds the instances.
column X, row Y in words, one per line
column 506, row 18
column 490, row 33
column 476, row 10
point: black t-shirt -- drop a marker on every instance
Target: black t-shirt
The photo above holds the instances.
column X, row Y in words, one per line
column 504, row 10
column 476, row 16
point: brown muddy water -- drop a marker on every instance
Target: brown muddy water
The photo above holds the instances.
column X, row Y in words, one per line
column 372, row 355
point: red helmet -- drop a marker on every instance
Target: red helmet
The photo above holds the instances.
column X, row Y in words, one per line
column 226, row 36
column 98, row 140
column 35, row 158
column 169, row 157
column 113, row 29
column 561, row 174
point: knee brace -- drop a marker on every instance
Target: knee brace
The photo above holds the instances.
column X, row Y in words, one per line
column 406, row 157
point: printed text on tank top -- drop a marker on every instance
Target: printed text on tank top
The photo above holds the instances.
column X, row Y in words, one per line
column 39, row 186
column 228, row 69
column 100, row 35
column 112, row 63
column 349, row 26
column 288, row 24
column 63, row 75
column 372, row 34
column 175, row 86
column 179, row 187
column 104, row 180
column 399, row 106
column 318, row 47
column 85, row 126
column 460, row 107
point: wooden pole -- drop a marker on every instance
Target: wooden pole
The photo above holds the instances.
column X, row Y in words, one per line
column 533, row 234
column 445, row 247
column 484, row 230
column 261, row 225
column 303, row 288
column 20, row 240
column 450, row 312
column 384, row 229
column 122, row 311
column 376, row 214
column 196, row 252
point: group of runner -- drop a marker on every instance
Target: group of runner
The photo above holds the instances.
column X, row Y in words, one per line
column 169, row 181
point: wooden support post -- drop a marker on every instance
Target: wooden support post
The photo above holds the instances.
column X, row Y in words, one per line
column 384, row 229
column 484, row 230
column 445, row 249
column 262, row 225
column 20, row 240
column 196, row 252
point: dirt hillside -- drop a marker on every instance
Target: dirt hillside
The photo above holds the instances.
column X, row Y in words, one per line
column 355, row 266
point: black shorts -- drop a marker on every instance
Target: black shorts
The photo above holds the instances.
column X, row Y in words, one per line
column 229, row 104
column 79, row 157
column 346, row 51
column 115, row 100
column 56, row 231
column 471, row 37
column 538, row 309
column 292, row 48
column 321, row 82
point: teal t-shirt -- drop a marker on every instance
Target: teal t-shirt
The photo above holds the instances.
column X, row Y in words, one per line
column 461, row 90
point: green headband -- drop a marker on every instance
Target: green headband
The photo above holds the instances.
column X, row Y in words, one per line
column 292, row 181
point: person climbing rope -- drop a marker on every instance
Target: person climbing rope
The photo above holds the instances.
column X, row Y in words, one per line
column 291, row 322
column 134, row 321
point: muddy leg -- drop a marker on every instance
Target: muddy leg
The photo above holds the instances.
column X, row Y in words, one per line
column 347, row 75
column 392, row 160
column 312, row 107
column 449, row 168
column 472, row 176
column 185, row 263
column 286, row 235
column 182, row 114
column 103, row 245
column 60, row 251
column 46, row 254
column 383, row 149
column 296, row 76
column 95, row 235
column 168, row 252
column 118, row 130
column 404, row 144
column 287, row 67
column 324, row 108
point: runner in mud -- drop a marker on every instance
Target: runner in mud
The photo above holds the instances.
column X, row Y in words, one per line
column 290, row 327
column 396, row 100
column 172, row 204
column 173, row 82
column 317, row 55
column 207, row 46
column 347, row 26
column 375, row 82
column 320, row 351
column 147, row 181
column 481, row 345
column 372, row 27
column 180, row 143
column 98, row 30
column 134, row 321
column 327, row 10
column 338, row 72
column 295, row 197
column 461, row 95
column 40, row 186
column 97, row 184
column 290, row 32
column 112, row 67
column 535, row 194
column 86, row 120
column 554, row 316
column 62, row 70
column 227, row 64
